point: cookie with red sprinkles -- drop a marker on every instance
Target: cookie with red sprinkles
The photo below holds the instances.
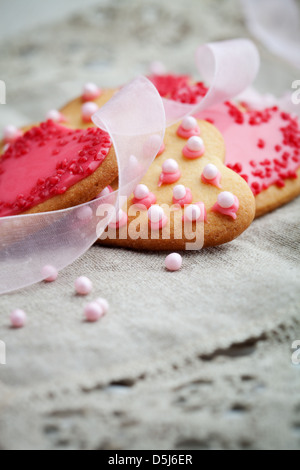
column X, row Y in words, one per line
column 262, row 146
column 53, row 166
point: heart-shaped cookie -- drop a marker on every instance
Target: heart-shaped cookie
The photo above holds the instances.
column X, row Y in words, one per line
column 186, row 185
column 52, row 167
column 198, row 180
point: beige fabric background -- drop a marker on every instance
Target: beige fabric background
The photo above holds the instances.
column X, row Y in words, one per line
column 200, row 358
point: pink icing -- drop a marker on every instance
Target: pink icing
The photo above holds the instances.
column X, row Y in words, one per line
column 186, row 134
column 146, row 202
column 45, row 162
column 192, row 154
column 187, row 199
column 231, row 211
column 272, row 153
column 169, row 178
column 161, row 150
column 214, row 182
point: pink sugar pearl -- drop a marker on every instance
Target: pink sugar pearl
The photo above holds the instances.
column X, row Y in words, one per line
column 83, row 285
column 103, row 303
column 49, row 273
column 18, row 318
column 173, row 262
column 93, row 312
column 10, row 134
column 88, row 109
column 55, row 116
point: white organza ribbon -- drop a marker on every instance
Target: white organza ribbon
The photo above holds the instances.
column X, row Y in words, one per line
column 276, row 23
column 229, row 67
column 136, row 119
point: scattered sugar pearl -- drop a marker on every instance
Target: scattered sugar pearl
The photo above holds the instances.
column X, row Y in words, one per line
column 173, row 262
column 10, row 134
column 93, row 312
column 88, row 109
column 225, row 199
column 18, row 318
column 54, row 115
column 83, row 285
column 179, row 192
column 170, row 166
column 155, row 213
column 210, row 171
column 49, row 273
column 189, row 123
column 141, row 191
column 103, row 303
column 192, row 212
column 195, row 144
column 90, row 91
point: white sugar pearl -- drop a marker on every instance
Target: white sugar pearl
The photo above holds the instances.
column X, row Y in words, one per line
column 192, row 212
column 90, row 90
column 54, row 115
column 179, row 191
column 11, row 133
column 170, row 166
column 117, row 216
column 195, row 144
column 226, row 199
column 210, row 171
column 189, row 123
column 88, row 109
column 141, row 191
column 155, row 213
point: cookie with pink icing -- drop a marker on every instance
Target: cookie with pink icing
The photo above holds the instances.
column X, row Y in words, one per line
column 262, row 146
